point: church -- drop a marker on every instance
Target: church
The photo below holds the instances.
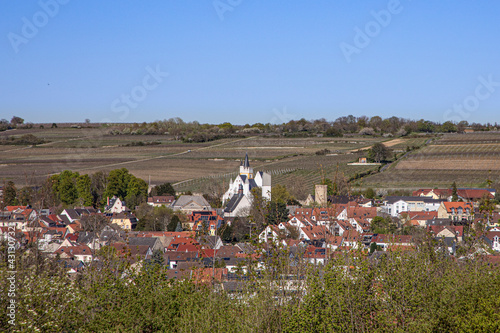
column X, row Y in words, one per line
column 238, row 198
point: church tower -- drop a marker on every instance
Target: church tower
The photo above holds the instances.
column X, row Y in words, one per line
column 245, row 169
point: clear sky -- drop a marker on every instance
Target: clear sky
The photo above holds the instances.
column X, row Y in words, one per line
column 248, row 61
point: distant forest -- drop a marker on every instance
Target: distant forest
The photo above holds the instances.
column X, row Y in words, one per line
column 346, row 125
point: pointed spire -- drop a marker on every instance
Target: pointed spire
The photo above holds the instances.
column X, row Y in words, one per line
column 247, row 164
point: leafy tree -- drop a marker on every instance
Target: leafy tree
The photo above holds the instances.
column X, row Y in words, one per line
column 137, row 191
column 163, row 189
column 277, row 212
column 99, row 182
column 153, row 218
column 448, row 127
column 378, row 152
column 174, row 222
column 16, row 121
column 83, row 186
column 66, row 187
column 25, row 196
column 280, row 194
column 454, row 192
column 370, row 193
column 380, row 225
column 157, row 258
column 10, row 194
column 118, row 180
column 226, row 233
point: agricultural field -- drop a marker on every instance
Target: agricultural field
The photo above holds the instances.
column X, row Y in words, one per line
column 159, row 158
column 469, row 159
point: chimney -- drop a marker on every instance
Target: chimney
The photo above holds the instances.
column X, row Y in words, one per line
column 108, row 201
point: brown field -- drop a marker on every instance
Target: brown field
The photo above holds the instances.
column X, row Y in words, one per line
column 88, row 150
column 468, row 159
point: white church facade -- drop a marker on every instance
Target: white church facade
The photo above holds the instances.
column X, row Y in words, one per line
column 238, row 198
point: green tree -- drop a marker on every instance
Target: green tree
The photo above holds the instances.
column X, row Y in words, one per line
column 449, row 127
column 10, row 194
column 157, row 258
column 378, row 152
column 370, row 193
column 137, row 191
column 226, row 233
column 83, row 186
column 66, row 187
column 280, row 194
column 163, row 189
column 117, row 183
column 277, row 212
column 381, row 225
column 174, row 222
column 454, row 192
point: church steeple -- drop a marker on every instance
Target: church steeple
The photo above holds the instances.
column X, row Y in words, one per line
column 245, row 168
column 247, row 164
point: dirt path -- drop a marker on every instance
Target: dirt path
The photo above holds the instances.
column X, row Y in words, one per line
column 386, row 143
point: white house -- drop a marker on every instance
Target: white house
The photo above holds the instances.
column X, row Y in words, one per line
column 115, row 205
column 395, row 205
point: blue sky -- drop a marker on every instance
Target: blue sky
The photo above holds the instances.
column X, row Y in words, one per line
column 248, row 61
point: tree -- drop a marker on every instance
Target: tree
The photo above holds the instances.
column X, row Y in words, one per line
column 153, row 218
column 83, row 186
column 454, row 192
column 66, row 187
column 163, row 189
column 378, row 152
column 25, row 195
column 370, row 193
column 226, row 233
column 94, row 222
column 99, row 182
column 16, row 121
column 10, row 194
column 118, row 180
column 448, row 127
column 157, row 258
column 277, row 212
column 280, row 194
column 174, row 222
column 137, row 191
column 380, row 225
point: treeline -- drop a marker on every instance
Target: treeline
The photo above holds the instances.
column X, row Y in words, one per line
column 346, row 125
column 404, row 291
column 15, row 122
column 72, row 189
